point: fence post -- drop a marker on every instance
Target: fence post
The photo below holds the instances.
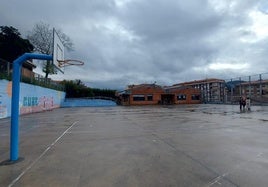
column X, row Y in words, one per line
column 232, row 91
column 249, row 86
column 8, row 69
column 240, row 88
column 31, row 75
column 260, row 86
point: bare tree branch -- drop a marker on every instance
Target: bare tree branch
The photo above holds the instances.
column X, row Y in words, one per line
column 41, row 37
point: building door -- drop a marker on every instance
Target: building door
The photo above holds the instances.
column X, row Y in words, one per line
column 168, row 99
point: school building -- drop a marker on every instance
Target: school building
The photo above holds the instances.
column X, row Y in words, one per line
column 152, row 94
column 211, row 90
column 256, row 90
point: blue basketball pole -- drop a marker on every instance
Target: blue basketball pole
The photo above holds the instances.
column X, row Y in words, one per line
column 14, row 130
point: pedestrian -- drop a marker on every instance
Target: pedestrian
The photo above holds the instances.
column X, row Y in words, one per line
column 242, row 103
column 248, row 104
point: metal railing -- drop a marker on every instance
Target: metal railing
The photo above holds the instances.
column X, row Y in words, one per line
column 91, row 98
column 254, row 87
column 28, row 76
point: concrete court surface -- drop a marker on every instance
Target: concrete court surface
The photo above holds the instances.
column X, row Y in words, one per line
column 183, row 145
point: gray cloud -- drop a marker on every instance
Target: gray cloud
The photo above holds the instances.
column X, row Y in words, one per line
column 139, row 41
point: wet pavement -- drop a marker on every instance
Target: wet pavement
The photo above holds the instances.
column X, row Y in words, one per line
column 185, row 145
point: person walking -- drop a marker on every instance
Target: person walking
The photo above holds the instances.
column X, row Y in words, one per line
column 248, row 104
column 242, row 103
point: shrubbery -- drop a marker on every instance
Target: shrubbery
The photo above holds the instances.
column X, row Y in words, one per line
column 76, row 89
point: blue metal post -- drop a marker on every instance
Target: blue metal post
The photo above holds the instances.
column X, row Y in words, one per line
column 14, row 130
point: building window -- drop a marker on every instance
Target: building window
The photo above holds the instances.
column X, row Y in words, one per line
column 138, row 98
column 125, row 97
column 195, row 97
column 149, row 97
column 181, row 97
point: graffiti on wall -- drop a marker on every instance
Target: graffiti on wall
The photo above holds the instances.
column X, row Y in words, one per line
column 4, row 98
column 3, row 108
column 32, row 98
column 30, row 101
column 37, row 104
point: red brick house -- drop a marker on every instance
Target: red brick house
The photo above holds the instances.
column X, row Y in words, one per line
column 185, row 95
column 152, row 94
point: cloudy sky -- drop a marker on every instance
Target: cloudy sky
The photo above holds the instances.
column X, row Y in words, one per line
column 145, row 41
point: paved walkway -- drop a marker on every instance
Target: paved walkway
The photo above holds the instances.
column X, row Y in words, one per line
column 190, row 145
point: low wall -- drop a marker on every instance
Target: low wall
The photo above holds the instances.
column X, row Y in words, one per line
column 32, row 98
column 87, row 103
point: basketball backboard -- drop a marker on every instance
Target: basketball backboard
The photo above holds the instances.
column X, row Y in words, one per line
column 58, row 51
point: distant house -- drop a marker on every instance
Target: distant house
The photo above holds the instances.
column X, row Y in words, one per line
column 152, row 94
column 143, row 94
column 256, row 90
column 184, row 94
column 212, row 90
column 26, row 70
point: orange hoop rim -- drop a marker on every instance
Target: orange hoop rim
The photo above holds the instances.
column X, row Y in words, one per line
column 70, row 62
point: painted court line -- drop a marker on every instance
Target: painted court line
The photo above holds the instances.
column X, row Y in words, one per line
column 238, row 166
column 36, row 160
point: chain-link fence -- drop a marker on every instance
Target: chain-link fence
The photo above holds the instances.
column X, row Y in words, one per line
column 28, row 76
column 254, row 87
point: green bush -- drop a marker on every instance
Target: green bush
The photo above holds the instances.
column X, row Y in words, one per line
column 76, row 89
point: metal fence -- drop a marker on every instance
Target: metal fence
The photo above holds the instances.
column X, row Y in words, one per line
column 28, row 76
column 254, row 87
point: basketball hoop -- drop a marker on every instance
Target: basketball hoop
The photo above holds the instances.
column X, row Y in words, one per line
column 70, row 62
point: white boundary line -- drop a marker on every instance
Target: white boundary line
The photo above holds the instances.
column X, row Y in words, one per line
column 217, row 179
column 36, row 160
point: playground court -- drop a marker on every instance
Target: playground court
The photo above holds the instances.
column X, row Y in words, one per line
column 183, row 145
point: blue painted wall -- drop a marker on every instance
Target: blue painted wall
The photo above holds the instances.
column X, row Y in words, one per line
column 37, row 99
column 87, row 103
column 32, row 98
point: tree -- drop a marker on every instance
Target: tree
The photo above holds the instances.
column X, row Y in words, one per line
column 41, row 37
column 76, row 89
column 12, row 45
